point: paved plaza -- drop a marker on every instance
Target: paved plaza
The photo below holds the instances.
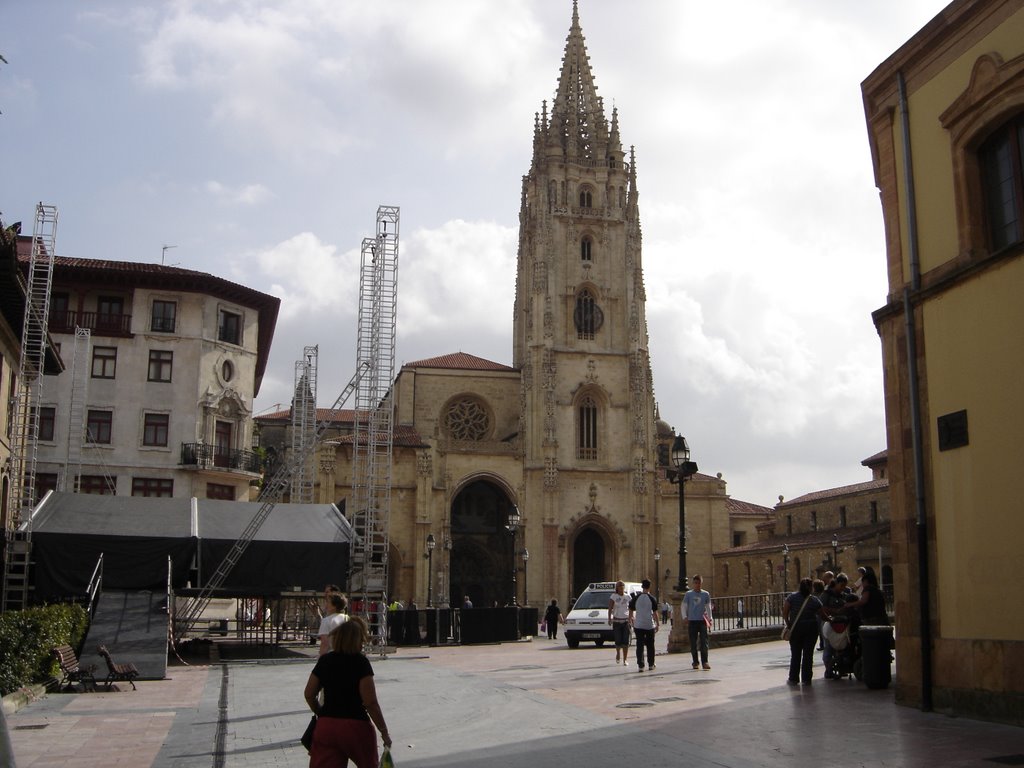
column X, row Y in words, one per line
column 516, row 705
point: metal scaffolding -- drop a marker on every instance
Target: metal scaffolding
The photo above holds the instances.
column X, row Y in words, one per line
column 304, row 425
column 25, row 428
column 373, row 438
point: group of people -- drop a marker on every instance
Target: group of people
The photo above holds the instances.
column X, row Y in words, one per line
column 816, row 602
column 341, row 694
column 641, row 613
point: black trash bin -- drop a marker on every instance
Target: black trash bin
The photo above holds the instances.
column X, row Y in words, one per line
column 876, row 644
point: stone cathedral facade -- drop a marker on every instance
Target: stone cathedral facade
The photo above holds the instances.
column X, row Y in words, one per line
column 568, row 433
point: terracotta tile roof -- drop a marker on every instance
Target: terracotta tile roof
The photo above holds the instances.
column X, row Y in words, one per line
column 340, row 416
column 846, row 537
column 737, row 508
column 878, row 458
column 403, row 435
column 459, row 361
column 831, row 493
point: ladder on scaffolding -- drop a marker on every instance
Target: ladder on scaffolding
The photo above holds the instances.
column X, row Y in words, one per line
column 373, row 438
column 70, row 477
column 25, row 430
column 273, row 491
column 304, row 425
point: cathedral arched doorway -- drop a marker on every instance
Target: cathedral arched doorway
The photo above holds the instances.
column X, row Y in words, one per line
column 482, row 547
column 588, row 560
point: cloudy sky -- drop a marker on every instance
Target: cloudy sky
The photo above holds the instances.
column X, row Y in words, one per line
column 258, row 137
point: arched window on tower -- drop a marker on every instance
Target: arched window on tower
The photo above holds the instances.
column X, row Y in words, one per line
column 586, row 197
column 585, row 246
column 587, row 316
column 586, row 429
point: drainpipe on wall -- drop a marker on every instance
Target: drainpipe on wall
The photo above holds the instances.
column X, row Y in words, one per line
column 915, row 405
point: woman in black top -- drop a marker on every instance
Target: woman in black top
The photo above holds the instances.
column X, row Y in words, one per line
column 800, row 612
column 552, row 616
column 871, row 604
column 343, row 728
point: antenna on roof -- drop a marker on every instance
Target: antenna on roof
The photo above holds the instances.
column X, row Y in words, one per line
column 163, row 253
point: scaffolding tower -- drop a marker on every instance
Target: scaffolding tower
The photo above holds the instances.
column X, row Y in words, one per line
column 25, row 427
column 304, row 425
column 373, row 438
column 70, row 477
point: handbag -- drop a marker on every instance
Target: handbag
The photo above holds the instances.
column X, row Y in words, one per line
column 385, row 759
column 788, row 629
column 543, row 626
column 307, row 735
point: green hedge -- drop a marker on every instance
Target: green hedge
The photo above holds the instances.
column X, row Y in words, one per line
column 27, row 637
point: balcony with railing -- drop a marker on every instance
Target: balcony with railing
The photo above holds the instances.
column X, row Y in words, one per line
column 100, row 323
column 207, row 456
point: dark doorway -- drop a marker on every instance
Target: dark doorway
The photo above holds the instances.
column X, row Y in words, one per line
column 587, row 560
column 481, row 558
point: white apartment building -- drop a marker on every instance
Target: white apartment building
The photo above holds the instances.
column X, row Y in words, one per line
column 157, row 401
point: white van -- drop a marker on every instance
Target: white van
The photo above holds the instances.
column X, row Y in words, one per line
column 588, row 619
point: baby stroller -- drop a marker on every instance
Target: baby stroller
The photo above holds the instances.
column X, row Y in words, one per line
column 842, row 635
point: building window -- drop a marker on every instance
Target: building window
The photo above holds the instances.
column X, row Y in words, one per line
column 98, row 427
column 155, row 428
column 227, row 371
column 152, row 486
column 842, row 517
column 47, row 420
column 467, row 419
column 587, row 317
column 104, row 362
column 222, row 440
column 61, row 319
column 586, row 198
column 586, row 442
column 229, row 327
column 97, row 484
column 585, row 245
column 789, row 525
column 771, row 571
column 110, row 314
column 45, row 481
column 814, row 521
column 874, row 512
column 1001, row 158
column 737, row 538
column 164, row 314
column 746, row 568
column 219, row 491
column 160, row 365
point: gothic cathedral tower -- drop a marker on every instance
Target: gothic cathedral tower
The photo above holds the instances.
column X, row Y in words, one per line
column 587, row 412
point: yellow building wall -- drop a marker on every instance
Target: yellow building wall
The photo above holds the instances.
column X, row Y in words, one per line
column 975, row 362
column 930, row 145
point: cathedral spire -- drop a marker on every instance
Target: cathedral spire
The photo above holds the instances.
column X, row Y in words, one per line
column 578, row 125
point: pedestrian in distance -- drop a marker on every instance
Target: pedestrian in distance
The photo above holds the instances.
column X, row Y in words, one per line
column 696, row 608
column 552, row 618
column 335, row 604
column 350, row 710
column 739, row 613
column 466, row 602
column 618, row 617
column 643, row 615
column 666, row 611
column 800, row 612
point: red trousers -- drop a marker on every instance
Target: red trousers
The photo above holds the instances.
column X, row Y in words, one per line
column 337, row 740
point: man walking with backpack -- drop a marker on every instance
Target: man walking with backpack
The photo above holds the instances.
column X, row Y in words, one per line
column 643, row 615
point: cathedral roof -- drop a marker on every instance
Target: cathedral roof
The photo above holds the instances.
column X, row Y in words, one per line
column 831, row 493
column 458, row 361
column 737, row 508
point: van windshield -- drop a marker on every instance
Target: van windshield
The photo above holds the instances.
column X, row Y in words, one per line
column 589, row 600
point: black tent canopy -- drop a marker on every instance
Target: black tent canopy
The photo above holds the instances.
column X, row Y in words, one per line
column 300, row 546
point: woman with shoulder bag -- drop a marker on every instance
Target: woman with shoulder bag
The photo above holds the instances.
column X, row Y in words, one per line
column 804, row 609
column 343, row 728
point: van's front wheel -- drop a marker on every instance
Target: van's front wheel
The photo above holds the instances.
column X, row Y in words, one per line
column 573, row 642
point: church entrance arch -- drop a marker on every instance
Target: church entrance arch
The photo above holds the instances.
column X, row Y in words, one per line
column 482, row 547
column 589, row 557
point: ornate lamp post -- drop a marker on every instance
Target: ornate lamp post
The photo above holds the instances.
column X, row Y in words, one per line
column 785, row 567
column 526, row 557
column 513, row 525
column 430, row 569
column 835, row 553
column 684, row 469
column 657, row 574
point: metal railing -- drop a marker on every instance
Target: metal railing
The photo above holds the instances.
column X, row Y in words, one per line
column 100, row 323
column 207, row 456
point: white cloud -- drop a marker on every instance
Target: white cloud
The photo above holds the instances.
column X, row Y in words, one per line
column 246, row 194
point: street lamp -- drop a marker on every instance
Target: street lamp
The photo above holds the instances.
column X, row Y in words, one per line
column 430, row 569
column 513, row 525
column 447, row 586
column 657, row 573
column 684, row 468
column 526, row 557
column 835, row 553
column 785, row 567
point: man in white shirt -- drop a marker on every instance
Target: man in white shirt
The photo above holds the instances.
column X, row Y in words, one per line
column 618, row 617
column 335, row 604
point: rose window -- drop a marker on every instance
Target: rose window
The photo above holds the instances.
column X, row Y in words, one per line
column 467, row 420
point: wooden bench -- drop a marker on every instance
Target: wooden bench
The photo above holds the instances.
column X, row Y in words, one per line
column 118, row 672
column 71, row 671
